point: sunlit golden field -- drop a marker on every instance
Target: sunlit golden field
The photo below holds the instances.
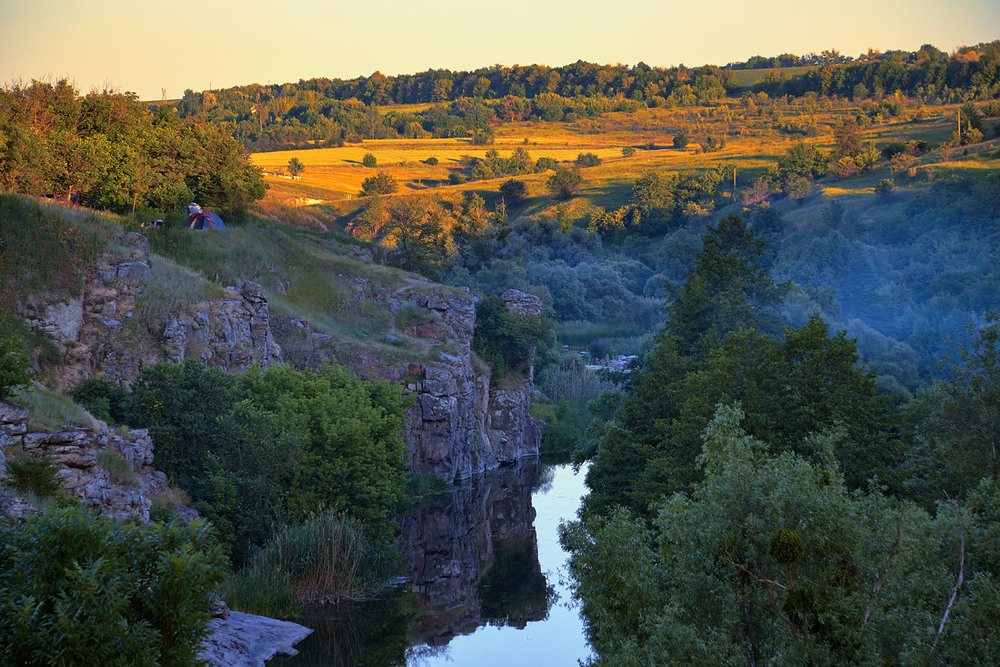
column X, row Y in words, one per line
column 754, row 136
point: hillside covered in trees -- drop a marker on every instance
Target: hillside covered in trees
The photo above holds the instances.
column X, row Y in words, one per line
column 799, row 462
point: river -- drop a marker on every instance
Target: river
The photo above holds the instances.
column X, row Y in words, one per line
column 484, row 583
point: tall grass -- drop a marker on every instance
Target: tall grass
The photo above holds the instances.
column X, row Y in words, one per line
column 46, row 245
column 324, row 559
column 49, row 410
column 170, row 287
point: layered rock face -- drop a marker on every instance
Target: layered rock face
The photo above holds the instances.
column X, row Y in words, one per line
column 464, row 421
column 75, row 450
column 95, row 333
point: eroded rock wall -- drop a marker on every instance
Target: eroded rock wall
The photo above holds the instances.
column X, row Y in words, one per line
column 463, row 422
column 74, row 450
column 95, row 334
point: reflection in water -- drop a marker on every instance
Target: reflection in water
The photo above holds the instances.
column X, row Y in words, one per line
column 471, row 560
column 450, row 547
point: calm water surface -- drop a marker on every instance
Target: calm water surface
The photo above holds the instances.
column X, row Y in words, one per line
column 485, row 583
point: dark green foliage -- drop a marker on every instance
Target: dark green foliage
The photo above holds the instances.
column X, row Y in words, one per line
column 770, row 558
column 181, row 405
column 956, row 426
column 587, row 160
column 103, row 398
column 628, row 151
column 274, row 446
column 295, row 167
column 30, row 474
column 681, row 138
column 81, row 588
column 369, row 160
column 546, row 164
column 379, row 184
column 13, row 367
column 564, row 183
column 786, row 547
column 513, row 192
column 729, row 289
column 806, row 383
column 432, row 161
column 505, row 340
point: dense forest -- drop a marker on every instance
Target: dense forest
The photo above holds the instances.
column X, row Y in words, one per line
column 754, row 498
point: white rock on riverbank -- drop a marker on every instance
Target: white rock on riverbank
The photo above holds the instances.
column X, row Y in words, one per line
column 248, row 640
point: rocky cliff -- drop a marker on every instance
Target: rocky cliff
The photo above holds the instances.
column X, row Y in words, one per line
column 464, row 421
column 124, row 495
column 95, row 334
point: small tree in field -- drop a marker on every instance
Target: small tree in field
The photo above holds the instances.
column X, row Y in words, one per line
column 681, row 138
column 379, row 184
column 564, row 183
column 295, row 167
column 369, row 160
column 513, row 192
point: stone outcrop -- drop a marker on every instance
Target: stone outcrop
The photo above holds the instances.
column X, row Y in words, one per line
column 250, row 640
column 464, row 421
column 74, row 450
column 96, row 335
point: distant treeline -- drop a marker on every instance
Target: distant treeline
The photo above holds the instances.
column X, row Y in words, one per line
column 333, row 111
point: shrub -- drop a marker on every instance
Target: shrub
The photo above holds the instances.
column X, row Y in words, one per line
column 507, row 340
column 13, row 367
column 30, row 474
column 587, row 160
column 546, row 164
column 628, row 151
column 432, row 161
column 379, row 184
column 564, row 183
column 885, row 186
column 102, row 398
column 513, row 192
column 681, row 139
column 78, row 587
column 369, row 160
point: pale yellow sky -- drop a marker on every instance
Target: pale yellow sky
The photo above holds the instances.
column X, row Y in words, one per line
column 143, row 47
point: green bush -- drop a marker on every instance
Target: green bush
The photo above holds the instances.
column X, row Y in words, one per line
column 369, row 160
column 13, row 368
column 80, row 588
column 102, row 398
column 30, row 474
column 505, row 340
